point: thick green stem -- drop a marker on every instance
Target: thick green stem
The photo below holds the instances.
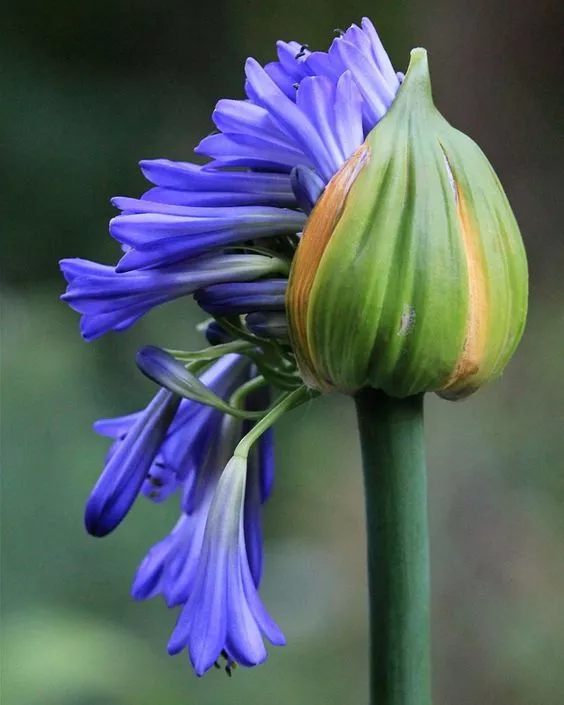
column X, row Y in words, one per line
column 393, row 456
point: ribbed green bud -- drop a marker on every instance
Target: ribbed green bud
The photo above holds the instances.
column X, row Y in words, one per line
column 411, row 274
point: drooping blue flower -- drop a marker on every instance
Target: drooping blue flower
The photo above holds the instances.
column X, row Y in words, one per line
column 155, row 449
column 173, row 566
column 170, row 566
column 224, row 613
column 111, row 300
column 123, row 476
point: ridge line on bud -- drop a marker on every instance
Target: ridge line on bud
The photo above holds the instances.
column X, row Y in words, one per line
column 468, row 363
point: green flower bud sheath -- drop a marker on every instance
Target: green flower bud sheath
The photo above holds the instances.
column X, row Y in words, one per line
column 393, row 456
column 411, row 274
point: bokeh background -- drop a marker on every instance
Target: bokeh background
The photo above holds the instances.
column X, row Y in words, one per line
column 89, row 88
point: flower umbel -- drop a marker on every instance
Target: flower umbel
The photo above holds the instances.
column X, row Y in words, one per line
column 341, row 236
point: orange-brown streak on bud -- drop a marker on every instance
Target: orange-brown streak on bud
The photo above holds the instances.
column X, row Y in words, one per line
column 468, row 364
column 315, row 238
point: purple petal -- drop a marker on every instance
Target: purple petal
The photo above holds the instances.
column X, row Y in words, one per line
column 307, row 186
column 289, row 118
column 294, row 67
column 250, row 151
column 109, row 299
column 220, row 199
column 377, row 96
column 120, row 483
column 191, row 177
column 252, row 519
column 243, row 297
column 381, row 58
column 348, row 115
column 316, row 98
column 266, row 463
column 244, row 638
column 116, row 427
column 282, row 79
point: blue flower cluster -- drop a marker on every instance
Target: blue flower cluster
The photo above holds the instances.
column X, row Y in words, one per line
column 225, row 232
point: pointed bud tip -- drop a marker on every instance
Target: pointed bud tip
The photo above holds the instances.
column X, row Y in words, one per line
column 417, row 79
column 418, row 54
column 157, row 364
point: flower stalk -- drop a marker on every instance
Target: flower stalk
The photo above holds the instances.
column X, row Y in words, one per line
column 393, row 457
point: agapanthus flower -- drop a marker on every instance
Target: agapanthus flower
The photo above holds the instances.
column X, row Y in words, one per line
column 246, row 234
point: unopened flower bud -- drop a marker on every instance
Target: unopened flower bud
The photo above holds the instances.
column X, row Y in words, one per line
column 411, row 275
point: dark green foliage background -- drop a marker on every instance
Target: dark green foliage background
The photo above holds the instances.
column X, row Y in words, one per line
column 88, row 88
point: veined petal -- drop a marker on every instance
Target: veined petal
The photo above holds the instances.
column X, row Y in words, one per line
column 289, row 118
column 348, row 115
column 170, row 566
column 183, row 176
column 153, row 222
column 266, row 624
column 316, row 98
column 218, row 615
column 254, row 151
column 202, row 624
column 381, row 58
column 244, row 117
column 107, row 298
column 244, row 638
column 282, row 79
column 377, row 95
column 319, row 64
column 252, row 525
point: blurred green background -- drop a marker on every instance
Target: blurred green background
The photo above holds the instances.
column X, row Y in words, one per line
column 89, row 88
